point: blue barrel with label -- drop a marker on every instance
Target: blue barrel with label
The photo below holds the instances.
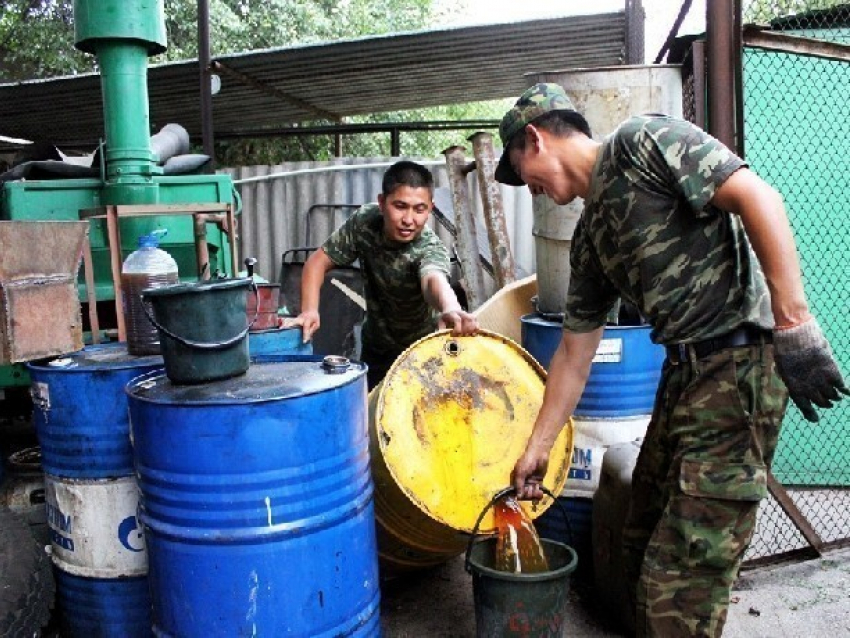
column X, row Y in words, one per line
column 624, row 374
column 256, row 498
column 615, row 406
column 278, row 341
column 98, row 549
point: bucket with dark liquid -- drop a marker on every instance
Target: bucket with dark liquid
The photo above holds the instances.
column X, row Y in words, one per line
column 519, row 604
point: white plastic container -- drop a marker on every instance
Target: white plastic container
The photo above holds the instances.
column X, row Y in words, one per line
column 591, row 439
column 147, row 267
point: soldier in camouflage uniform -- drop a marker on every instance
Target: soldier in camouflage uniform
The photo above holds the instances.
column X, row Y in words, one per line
column 405, row 269
column 669, row 218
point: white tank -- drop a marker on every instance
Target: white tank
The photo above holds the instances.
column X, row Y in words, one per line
column 606, row 96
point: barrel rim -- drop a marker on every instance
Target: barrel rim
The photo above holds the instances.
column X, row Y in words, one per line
column 197, row 287
column 133, row 383
column 537, row 317
column 555, row 574
column 147, row 361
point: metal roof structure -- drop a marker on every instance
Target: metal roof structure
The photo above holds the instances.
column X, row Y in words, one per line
column 330, row 81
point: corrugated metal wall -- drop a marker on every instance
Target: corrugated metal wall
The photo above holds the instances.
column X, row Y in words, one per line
column 285, row 206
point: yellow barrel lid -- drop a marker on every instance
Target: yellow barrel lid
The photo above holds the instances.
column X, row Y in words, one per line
column 452, row 417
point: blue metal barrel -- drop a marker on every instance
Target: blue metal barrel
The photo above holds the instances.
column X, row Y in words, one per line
column 80, row 417
column 615, row 406
column 256, row 497
column 278, row 341
column 624, row 374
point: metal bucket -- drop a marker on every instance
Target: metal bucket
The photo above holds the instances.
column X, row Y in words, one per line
column 511, row 604
column 80, row 416
column 447, row 423
column 278, row 341
column 257, row 501
column 203, row 329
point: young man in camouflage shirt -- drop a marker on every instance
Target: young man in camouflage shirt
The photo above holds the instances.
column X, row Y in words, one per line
column 670, row 215
column 405, row 269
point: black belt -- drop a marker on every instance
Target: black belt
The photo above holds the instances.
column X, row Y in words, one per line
column 745, row 336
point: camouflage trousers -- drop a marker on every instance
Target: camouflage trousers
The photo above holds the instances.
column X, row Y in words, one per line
column 701, row 472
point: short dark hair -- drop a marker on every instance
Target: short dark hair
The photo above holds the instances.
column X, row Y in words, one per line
column 407, row 173
column 559, row 123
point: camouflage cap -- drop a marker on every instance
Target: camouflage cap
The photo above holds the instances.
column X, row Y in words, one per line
column 540, row 99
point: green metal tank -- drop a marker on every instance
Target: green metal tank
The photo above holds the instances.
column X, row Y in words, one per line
column 122, row 34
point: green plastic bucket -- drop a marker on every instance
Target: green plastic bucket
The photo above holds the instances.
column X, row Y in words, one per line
column 203, row 329
column 509, row 604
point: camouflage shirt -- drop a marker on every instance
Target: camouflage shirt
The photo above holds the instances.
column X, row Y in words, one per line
column 649, row 235
column 396, row 311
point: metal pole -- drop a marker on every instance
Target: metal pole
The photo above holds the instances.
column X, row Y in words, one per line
column 720, row 31
column 698, row 52
column 395, row 143
column 205, row 80
column 738, row 66
column 494, row 213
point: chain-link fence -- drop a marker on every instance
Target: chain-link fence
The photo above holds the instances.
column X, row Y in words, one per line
column 796, row 135
column 796, row 106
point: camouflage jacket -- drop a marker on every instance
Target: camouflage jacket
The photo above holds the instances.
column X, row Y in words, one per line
column 649, row 235
column 396, row 311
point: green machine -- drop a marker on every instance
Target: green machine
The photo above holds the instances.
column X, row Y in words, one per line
column 122, row 34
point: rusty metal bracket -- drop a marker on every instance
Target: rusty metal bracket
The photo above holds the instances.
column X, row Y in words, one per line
column 760, row 38
column 779, row 493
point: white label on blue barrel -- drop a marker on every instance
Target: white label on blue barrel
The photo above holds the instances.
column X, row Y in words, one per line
column 591, row 437
column 94, row 528
column 609, row 351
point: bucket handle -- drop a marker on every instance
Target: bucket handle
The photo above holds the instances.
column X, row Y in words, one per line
column 500, row 494
column 200, row 345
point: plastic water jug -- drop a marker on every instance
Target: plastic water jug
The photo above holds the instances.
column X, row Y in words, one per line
column 147, row 267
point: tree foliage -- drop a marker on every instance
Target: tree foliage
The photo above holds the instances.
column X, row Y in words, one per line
column 763, row 11
column 37, row 41
column 37, row 36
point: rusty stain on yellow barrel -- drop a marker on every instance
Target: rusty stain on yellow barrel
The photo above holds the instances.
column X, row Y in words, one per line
column 447, row 424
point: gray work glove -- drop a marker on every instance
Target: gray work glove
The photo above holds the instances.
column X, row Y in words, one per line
column 806, row 365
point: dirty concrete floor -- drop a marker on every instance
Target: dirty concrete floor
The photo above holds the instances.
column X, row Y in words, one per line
column 810, row 598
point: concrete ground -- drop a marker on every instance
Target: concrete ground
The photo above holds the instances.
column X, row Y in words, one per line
column 810, row 598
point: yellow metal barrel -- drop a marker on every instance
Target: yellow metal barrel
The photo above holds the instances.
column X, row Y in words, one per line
column 447, row 424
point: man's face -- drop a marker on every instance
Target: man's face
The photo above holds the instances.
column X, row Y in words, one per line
column 539, row 168
column 406, row 211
